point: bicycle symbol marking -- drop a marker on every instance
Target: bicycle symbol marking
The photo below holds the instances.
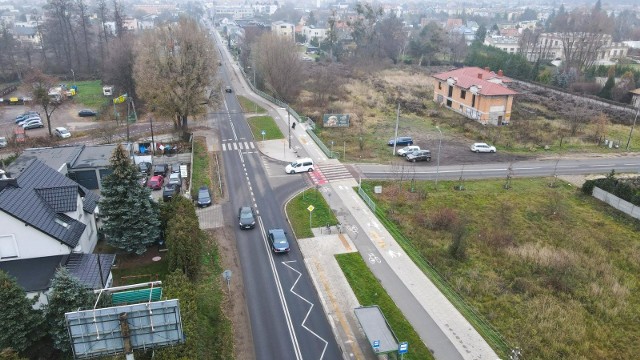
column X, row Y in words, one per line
column 374, row 259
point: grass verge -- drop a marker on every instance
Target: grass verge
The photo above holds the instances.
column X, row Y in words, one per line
column 201, row 167
column 551, row 268
column 266, row 123
column 299, row 215
column 90, row 94
column 249, row 106
column 369, row 292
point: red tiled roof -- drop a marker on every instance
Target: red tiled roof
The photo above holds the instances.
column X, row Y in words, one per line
column 468, row 76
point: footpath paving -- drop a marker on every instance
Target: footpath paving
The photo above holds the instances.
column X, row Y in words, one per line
column 440, row 326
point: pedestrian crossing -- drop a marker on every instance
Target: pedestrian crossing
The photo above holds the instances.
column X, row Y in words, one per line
column 238, row 145
column 329, row 171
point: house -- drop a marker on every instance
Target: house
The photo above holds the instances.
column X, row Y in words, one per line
column 46, row 221
column 476, row 93
column 283, row 29
column 35, row 275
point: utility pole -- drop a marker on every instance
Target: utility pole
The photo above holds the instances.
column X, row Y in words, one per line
column 634, row 122
column 289, row 122
column 395, row 139
column 153, row 142
column 438, row 165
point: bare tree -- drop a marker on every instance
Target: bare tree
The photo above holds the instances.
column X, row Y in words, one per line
column 103, row 35
column 279, row 65
column 363, row 29
column 577, row 117
column 391, row 37
column 82, row 13
column 325, row 81
column 118, row 10
column 119, row 64
column 175, row 70
column 38, row 84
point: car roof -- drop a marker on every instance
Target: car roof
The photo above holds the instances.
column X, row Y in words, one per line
column 156, row 177
column 203, row 188
column 61, row 128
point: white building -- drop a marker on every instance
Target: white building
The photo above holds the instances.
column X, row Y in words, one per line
column 284, row 29
column 312, row 32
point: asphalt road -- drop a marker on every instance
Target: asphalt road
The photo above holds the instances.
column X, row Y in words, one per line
column 527, row 168
column 287, row 319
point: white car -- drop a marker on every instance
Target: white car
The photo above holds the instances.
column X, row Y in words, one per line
column 408, row 150
column 62, row 133
column 482, row 147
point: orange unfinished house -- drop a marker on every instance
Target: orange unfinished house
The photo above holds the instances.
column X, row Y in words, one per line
column 476, row 93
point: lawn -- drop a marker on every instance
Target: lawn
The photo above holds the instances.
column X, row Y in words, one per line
column 249, row 106
column 299, row 215
column 552, row 269
column 266, row 123
column 90, row 95
column 140, row 273
column 369, row 292
column 201, row 167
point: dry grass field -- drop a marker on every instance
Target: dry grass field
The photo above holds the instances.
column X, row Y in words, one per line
column 555, row 271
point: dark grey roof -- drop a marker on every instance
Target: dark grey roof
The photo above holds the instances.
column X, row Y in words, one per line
column 61, row 199
column 36, row 274
column 24, row 203
column 90, row 199
column 54, row 157
column 33, row 274
column 86, row 268
column 24, row 30
column 95, row 156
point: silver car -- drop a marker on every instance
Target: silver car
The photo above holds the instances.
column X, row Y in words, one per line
column 482, row 147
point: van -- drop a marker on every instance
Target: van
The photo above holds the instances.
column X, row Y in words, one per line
column 300, row 165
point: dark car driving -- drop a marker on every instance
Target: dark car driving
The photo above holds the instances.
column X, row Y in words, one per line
column 401, row 141
column 278, row 240
column 87, row 112
column 420, row 155
column 144, row 167
column 204, row 197
column 246, row 217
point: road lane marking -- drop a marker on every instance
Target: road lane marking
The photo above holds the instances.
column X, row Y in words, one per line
column 311, row 305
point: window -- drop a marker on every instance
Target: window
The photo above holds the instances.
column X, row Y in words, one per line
column 463, row 94
column 439, row 85
column 8, row 247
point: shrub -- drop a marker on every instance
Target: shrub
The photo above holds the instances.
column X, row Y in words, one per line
column 443, row 219
column 587, row 187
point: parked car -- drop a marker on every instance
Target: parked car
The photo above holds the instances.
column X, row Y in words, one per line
column 204, row 197
column 3, row 142
column 32, row 124
column 420, row 155
column 142, row 178
column 174, row 178
column 300, row 165
column 86, row 113
column 246, row 217
column 482, row 147
column 160, row 169
column 175, row 168
column 228, row 89
column 144, row 167
column 401, row 141
column 408, row 150
column 278, row 240
column 155, row 182
column 169, row 191
column 24, row 119
column 62, row 132
column 29, row 114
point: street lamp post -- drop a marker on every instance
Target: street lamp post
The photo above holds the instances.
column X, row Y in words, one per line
column 438, row 158
column 634, row 123
column 74, row 77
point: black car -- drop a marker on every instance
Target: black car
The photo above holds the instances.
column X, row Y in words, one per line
column 160, row 169
column 420, row 155
column 144, row 167
column 204, row 197
column 246, row 217
column 278, row 240
column 401, row 141
column 169, row 191
column 228, row 89
column 87, row 112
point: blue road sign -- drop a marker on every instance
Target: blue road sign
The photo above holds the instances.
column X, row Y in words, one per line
column 264, row 132
column 403, row 348
column 376, row 344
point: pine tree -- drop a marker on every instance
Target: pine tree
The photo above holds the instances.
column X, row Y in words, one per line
column 67, row 294
column 20, row 324
column 608, row 86
column 132, row 221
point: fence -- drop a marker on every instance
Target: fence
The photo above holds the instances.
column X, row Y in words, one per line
column 616, row 202
column 486, row 330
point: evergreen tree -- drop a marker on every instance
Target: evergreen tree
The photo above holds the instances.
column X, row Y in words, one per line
column 20, row 324
column 131, row 218
column 67, row 294
column 608, row 86
column 481, row 33
column 184, row 238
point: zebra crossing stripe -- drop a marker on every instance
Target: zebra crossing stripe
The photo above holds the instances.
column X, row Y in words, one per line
column 252, row 146
column 235, row 146
column 224, row 147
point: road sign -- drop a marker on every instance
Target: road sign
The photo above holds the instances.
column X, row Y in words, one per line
column 403, row 348
column 376, row 345
column 263, row 133
column 310, row 208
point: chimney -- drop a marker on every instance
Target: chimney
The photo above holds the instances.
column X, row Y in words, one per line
column 6, row 181
column 479, row 75
column 487, row 69
column 500, row 73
